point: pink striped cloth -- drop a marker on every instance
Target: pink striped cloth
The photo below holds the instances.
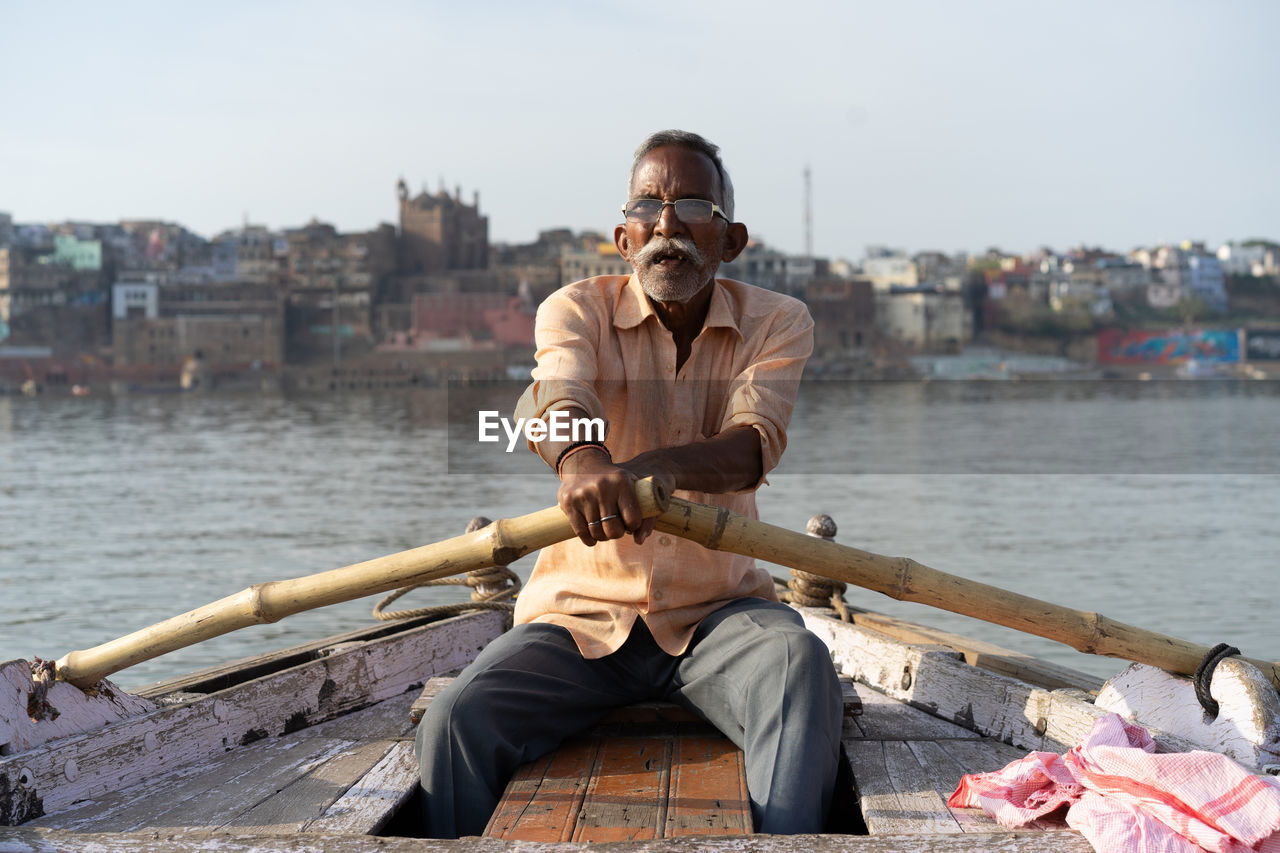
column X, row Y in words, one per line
column 1122, row 796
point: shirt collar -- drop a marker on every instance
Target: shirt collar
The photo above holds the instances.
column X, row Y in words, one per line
column 633, row 307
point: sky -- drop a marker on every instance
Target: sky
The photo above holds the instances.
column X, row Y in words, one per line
column 954, row 126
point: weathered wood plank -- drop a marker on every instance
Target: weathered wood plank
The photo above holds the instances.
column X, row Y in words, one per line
column 932, row 679
column 386, row 720
column 148, row 800
column 627, row 797
column 883, row 718
column 1246, row 729
column 221, row 676
column 944, row 773
column 52, row 776
column 66, row 710
column 310, row 794
column 990, row 704
column 646, row 770
column 896, row 793
column 1033, row 670
column 202, row 797
column 519, row 793
column 24, row 840
column 370, row 803
column 558, row 782
column 702, row 770
column 430, row 691
column 946, row 761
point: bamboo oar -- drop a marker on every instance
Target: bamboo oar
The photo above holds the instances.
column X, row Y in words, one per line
column 499, row 543
column 906, row 580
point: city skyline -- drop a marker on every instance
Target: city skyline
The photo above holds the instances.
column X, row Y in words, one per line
column 925, row 126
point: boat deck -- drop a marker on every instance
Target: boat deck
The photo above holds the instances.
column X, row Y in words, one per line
column 348, row 775
column 327, row 777
column 353, row 775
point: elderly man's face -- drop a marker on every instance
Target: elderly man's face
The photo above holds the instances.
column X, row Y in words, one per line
column 674, row 260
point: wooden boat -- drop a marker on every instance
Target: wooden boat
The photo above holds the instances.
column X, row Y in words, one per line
column 311, row 748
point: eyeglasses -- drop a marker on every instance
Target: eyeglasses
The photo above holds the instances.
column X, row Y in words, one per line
column 691, row 211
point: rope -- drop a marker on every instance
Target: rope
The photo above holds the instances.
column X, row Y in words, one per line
column 42, row 680
column 809, row 590
column 1204, row 676
column 491, row 589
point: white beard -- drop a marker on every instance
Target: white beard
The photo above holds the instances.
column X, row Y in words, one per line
column 663, row 286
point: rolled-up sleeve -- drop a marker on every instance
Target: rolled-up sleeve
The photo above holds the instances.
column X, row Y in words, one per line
column 763, row 395
column 567, row 336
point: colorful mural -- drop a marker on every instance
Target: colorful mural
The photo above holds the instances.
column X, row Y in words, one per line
column 1168, row 347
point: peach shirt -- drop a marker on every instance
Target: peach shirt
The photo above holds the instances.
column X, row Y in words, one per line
column 602, row 348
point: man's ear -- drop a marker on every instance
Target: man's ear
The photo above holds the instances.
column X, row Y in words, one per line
column 620, row 240
column 735, row 240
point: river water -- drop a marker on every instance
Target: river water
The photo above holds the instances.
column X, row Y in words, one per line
column 1154, row 503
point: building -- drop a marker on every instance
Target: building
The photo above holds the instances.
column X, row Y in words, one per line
column 73, row 252
column 1083, row 288
column 1124, row 279
column 319, row 257
column 471, row 321
column 1256, row 258
column 1049, row 278
column 251, row 254
column 50, row 304
column 887, row 268
column 232, row 328
column 843, row 312
column 440, row 232
column 1165, row 288
column 1182, row 273
column 937, row 269
column 1206, row 279
column 926, row 318
column 772, row 269
column 601, row 259
column 154, row 245
column 1002, row 283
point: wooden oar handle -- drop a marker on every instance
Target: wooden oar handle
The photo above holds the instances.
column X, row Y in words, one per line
column 497, row 544
column 906, row 580
column 653, row 497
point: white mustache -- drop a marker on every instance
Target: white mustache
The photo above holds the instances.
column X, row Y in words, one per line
column 667, row 246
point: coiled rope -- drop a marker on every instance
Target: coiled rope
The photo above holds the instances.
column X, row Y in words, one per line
column 491, row 589
column 810, row 590
column 1204, row 676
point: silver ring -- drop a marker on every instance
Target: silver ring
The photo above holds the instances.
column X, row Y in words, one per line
column 602, row 520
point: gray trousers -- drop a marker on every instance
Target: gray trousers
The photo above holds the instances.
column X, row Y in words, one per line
column 752, row 670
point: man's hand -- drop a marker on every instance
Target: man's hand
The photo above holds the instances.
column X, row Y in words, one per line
column 598, row 495
column 599, row 498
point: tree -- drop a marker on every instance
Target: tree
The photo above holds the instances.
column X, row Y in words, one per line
column 1191, row 309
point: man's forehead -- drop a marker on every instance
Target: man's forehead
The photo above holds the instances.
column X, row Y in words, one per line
column 691, row 169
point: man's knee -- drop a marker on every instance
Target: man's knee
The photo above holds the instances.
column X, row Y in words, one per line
column 470, row 704
column 452, row 707
column 802, row 657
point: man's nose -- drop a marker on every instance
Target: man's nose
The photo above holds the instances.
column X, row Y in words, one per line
column 668, row 223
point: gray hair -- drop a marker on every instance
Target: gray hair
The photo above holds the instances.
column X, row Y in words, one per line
column 696, row 143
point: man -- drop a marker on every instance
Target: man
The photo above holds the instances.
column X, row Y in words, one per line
column 696, row 378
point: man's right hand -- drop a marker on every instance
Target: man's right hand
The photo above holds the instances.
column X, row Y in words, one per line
column 599, row 498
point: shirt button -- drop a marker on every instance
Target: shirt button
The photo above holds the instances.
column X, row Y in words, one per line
column 664, row 540
column 657, row 595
